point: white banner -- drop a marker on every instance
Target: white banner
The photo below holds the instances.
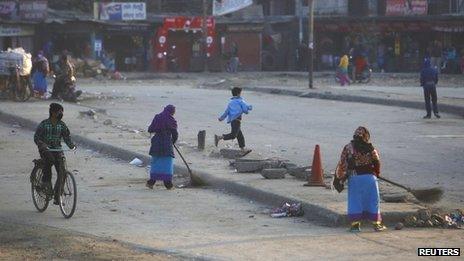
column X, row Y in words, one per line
column 117, row 11
column 223, row 7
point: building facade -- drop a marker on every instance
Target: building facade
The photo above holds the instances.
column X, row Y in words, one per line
column 395, row 35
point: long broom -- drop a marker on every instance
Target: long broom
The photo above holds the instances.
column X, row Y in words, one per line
column 431, row 195
column 194, row 180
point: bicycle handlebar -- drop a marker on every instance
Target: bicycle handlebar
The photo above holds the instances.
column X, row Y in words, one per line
column 58, row 150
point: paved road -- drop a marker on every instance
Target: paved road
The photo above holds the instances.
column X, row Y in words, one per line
column 416, row 152
column 113, row 203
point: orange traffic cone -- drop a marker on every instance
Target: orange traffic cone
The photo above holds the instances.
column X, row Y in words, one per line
column 316, row 178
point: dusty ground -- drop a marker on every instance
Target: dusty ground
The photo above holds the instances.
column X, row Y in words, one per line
column 35, row 242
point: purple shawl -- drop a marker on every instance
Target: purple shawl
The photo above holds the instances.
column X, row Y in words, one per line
column 164, row 120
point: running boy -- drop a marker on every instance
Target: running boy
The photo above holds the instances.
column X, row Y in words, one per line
column 236, row 107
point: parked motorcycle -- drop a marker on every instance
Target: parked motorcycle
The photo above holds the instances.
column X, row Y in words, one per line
column 65, row 90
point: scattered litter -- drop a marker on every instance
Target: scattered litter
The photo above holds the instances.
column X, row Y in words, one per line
column 136, row 162
column 429, row 218
column 108, row 122
column 251, row 216
column 100, row 178
column 17, row 126
column 399, row 226
column 288, row 210
column 90, row 114
column 279, row 215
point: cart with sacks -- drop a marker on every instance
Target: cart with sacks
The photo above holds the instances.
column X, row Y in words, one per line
column 15, row 74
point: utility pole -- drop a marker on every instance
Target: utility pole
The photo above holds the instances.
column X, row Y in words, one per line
column 205, row 35
column 310, row 41
column 299, row 13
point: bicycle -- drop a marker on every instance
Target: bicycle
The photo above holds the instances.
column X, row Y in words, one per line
column 41, row 195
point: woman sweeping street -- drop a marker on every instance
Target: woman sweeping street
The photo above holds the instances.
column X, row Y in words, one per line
column 360, row 164
column 164, row 128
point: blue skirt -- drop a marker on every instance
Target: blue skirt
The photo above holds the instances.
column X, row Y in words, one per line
column 363, row 198
column 161, row 168
column 40, row 82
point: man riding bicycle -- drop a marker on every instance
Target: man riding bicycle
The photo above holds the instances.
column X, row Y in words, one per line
column 48, row 137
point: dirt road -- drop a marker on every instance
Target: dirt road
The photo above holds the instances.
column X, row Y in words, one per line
column 37, row 242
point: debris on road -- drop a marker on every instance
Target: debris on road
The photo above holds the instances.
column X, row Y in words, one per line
column 300, row 173
column 89, row 113
column 231, row 153
column 288, row 210
column 136, row 162
column 108, row 122
column 399, row 226
column 436, row 218
column 274, row 173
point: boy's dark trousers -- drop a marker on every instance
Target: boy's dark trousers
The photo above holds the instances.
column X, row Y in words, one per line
column 50, row 159
column 430, row 93
column 236, row 133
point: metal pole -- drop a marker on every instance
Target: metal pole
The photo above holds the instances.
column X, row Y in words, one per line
column 205, row 35
column 310, row 41
column 299, row 13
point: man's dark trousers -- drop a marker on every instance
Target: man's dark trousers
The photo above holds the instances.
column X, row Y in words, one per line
column 50, row 159
column 430, row 93
column 236, row 133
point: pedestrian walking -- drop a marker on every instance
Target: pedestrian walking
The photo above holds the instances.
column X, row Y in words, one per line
column 164, row 128
column 236, row 107
column 234, row 61
column 360, row 165
column 39, row 76
column 343, row 70
column 428, row 81
column 381, row 51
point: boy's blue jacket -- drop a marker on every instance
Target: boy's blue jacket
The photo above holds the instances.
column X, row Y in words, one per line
column 236, row 107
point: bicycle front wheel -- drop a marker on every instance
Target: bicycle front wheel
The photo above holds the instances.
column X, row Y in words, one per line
column 39, row 195
column 68, row 198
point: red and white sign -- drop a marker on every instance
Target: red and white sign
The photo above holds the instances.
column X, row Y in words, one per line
column 406, row 7
column 182, row 23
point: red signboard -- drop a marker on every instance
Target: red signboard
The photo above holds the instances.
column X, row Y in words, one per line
column 406, row 7
column 182, row 23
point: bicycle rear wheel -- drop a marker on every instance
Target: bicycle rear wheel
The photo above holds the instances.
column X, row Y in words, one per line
column 68, row 198
column 39, row 195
